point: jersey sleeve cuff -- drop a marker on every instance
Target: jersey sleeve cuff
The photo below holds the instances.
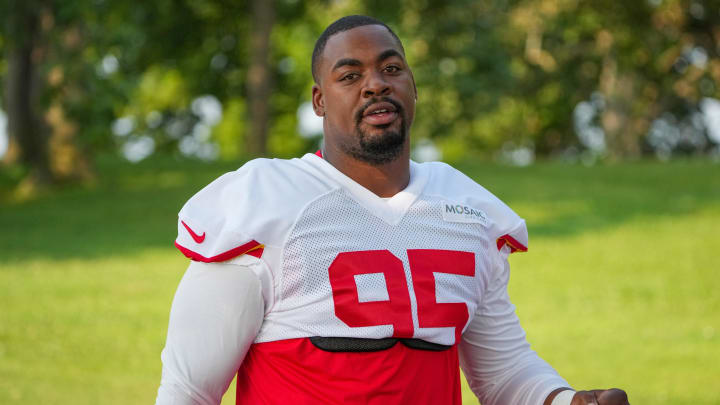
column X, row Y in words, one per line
column 512, row 243
column 563, row 397
column 252, row 248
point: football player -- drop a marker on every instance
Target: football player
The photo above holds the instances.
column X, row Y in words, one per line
column 354, row 275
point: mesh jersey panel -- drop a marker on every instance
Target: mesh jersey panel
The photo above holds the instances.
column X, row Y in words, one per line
column 336, row 223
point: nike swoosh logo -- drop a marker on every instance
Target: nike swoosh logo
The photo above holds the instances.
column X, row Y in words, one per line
column 197, row 238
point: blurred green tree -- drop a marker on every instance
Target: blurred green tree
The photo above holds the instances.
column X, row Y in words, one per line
column 226, row 78
column 27, row 46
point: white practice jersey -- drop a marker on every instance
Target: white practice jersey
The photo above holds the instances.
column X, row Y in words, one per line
column 335, row 260
column 308, row 219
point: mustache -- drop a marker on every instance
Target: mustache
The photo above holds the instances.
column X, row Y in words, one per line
column 361, row 111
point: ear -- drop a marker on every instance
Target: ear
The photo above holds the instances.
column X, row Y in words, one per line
column 412, row 76
column 318, row 101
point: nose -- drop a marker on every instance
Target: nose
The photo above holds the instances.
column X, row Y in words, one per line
column 376, row 85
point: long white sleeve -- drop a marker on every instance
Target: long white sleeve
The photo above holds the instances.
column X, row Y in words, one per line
column 215, row 316
column 495, row 356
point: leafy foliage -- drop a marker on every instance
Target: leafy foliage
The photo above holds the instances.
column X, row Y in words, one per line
column 557, row 77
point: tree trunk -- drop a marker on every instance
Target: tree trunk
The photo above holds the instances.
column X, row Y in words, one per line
column 622, row 138
column 23, row 88
column 259, row 77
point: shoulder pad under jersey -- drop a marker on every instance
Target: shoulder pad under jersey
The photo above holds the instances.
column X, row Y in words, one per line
column 460, row 191
column 243, row 211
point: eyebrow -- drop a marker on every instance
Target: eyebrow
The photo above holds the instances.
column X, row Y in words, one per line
column 354, row 62
column 346, row 62
column 388, row 54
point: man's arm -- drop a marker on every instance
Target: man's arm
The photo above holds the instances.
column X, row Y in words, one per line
column 495, row 356
column 500, row 366
column 215, row 316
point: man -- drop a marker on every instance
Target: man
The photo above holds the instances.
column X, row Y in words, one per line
column 353, row 276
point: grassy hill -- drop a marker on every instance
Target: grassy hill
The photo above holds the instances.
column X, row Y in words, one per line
column 619, row 288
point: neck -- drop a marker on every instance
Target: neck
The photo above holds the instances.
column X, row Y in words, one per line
column 384, row 180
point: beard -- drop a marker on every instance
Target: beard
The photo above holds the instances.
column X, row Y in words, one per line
column 379, row 148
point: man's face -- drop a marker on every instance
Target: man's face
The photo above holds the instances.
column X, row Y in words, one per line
column 366, row 93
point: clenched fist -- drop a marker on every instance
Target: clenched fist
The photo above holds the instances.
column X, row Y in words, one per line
column 612, row 396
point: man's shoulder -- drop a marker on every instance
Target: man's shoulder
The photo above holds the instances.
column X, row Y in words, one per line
column 282, row 172
column 463, row 194
column 450, row 182
column 262, row 181
column 255, row 204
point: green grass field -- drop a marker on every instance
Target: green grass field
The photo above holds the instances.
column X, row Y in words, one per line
column 619, row 288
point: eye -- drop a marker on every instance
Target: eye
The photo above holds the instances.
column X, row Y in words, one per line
column 391, row 69
column 349, row 76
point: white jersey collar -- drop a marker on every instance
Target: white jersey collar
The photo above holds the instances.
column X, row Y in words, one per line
column 390, row 210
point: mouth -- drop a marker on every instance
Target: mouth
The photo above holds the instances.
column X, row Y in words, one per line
column 380, row 114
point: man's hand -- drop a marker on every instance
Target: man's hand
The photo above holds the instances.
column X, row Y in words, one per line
column 612, row 396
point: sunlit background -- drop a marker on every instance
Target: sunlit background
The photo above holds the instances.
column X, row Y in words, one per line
column 508, row 80
column 597, row 121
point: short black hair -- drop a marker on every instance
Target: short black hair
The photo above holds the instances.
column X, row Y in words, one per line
column 344, row 24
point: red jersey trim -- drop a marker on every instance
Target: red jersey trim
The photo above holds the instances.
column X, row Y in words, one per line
column 294, row 371
column 252, row 248
column 319, row 152
column 515, row 246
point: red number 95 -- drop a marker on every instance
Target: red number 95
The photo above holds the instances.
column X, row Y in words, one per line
column 396, row 310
